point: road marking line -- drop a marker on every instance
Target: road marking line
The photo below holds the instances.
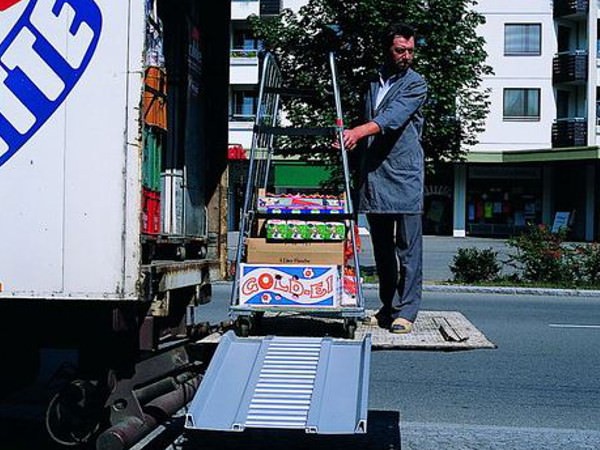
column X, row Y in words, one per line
column 568, row 325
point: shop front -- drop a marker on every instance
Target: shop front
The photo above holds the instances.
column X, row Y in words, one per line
column 502, row 200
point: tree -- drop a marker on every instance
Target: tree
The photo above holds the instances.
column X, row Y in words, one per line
column 450, row 55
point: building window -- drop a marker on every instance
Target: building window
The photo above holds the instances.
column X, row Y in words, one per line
column 597, row 39
column 270, row 7
column 244, row 44
column 562, row 104
column 243, row 39
column 244, row 104
column 522, row 39
column 521, row 104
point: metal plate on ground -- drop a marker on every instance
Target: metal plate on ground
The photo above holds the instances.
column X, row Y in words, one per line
column 433, row 330
column 383, row 433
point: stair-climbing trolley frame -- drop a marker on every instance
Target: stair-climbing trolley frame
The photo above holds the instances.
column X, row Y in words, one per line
column 296, row 252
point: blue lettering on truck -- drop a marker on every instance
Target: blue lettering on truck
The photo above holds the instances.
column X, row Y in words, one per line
column 37, row 73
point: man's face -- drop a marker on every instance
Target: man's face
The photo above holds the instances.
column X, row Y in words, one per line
column 402, row 52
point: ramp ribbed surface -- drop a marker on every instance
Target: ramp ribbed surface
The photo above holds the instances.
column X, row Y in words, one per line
column 285, row 385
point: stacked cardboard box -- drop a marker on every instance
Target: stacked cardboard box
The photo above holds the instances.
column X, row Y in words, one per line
column 298, row 204
column 259, row 251
column 302, row 230
column 300, row 261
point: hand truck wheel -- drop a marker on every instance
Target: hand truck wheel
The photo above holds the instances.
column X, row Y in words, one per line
column 349, row 328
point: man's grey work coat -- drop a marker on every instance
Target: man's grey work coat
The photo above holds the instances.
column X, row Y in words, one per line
column 392, row 162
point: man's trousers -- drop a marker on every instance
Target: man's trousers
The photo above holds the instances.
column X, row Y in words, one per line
column 398, row 249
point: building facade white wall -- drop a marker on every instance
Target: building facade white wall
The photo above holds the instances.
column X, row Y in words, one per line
column 517, row 72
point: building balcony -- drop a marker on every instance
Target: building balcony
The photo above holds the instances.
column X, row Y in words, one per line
column 570, row 132
column 570, row 67
column 570, row 9
column 243, row 66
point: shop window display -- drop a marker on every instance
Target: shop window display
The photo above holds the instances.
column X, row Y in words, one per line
column 502, row 210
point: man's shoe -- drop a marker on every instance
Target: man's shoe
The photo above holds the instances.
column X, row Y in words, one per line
column 381, row 319
column 401, row 326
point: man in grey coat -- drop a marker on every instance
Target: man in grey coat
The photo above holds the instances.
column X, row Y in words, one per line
column 390, row 190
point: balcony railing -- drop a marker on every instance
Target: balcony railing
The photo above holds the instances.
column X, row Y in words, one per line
column 240, row 117
column 243, row 53
column 570, row 8
column 570, row 132
column 570, row 66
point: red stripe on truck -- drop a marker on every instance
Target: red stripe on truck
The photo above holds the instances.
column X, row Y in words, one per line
column 5, row 4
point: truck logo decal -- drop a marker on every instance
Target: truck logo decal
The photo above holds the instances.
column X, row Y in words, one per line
column 39, row 65
column 5, row 4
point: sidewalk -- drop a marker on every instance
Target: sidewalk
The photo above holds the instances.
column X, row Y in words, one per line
column 438, row 254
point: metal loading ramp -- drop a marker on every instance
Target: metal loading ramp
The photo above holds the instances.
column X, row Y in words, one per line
column 319, row 385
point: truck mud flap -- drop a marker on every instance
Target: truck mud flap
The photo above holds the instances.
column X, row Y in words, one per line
column 318, row 384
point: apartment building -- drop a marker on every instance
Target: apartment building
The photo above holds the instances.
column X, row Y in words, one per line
column 244, row 77
column 538, row 154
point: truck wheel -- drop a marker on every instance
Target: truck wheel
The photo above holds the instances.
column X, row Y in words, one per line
column 74, row 414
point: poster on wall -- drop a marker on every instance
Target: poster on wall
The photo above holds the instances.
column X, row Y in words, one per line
column 561, row 220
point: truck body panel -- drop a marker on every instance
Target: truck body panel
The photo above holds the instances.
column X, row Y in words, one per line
column 69, row 192
column 72, row 78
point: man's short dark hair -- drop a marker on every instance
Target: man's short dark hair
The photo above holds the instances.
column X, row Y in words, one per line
column 397, row 29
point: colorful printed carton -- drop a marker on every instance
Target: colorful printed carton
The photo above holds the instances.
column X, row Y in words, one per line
column 296, row 204
column 301, row 230
column 314, row 286
column 277, row 230
column 330, row 231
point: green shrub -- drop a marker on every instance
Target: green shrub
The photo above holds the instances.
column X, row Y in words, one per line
column 472, row 265
column 542, row 257
column 586, row 262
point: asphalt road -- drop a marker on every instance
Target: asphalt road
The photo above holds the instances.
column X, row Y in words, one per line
column 539, row 389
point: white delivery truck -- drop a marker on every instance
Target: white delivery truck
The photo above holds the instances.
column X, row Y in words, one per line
column 113, row 147
column 113, row 143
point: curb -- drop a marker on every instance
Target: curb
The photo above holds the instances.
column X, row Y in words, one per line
column 506, row 290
